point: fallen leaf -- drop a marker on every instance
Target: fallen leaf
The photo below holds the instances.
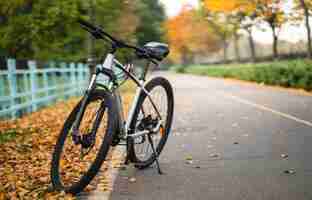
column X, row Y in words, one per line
column 214, row 155
column 189, row 162
column 2, row 196
column 132, row 180
column 284, row 155
column 189, row 158
column 290, row 171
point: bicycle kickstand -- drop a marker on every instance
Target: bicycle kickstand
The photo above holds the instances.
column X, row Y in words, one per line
column 154, row 152
column 127, row 160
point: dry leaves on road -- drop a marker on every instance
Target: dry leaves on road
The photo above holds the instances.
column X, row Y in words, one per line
column 25, row 160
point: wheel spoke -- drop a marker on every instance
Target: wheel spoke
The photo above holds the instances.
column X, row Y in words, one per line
column 158, row 94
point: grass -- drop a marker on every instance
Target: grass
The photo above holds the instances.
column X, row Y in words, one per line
column 291, row 73
column 8, row 135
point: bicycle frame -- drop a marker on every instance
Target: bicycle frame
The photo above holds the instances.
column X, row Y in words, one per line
column 124, row 125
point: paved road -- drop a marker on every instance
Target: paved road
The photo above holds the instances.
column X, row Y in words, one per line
column 211, row 115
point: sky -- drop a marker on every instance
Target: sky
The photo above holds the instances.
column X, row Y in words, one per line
column 173, row 7
column 288, row 33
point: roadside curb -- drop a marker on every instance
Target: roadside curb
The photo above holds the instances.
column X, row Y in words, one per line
column 111, row 174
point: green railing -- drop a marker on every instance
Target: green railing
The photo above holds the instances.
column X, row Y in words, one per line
column 25, row 90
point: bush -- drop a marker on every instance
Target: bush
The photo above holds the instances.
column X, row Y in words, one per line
column 290, row 73
column 181, row 70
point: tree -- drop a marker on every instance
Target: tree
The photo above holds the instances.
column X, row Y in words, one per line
column 47, row 29
column 235, row 20
column 236, row 27
column 306, row 7
column 38, row 28
column 239, row 15
column 152, row 16
column 218, row 18
column 271, row 12
column 247, row 24
column 245, row 14
column 220, row 24
column 189, row 34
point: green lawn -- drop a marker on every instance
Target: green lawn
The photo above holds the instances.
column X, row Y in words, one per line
column 292, row 73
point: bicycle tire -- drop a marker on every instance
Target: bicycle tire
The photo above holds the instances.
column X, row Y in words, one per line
column 155, row 82
column 86, row 178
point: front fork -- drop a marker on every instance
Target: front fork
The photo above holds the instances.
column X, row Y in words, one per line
column 76, row 135
column 105, row 69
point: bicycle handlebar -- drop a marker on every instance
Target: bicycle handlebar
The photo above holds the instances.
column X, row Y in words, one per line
column 99, row 33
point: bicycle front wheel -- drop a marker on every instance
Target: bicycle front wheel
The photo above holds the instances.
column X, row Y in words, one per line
column 75, row 165
column 145, row 116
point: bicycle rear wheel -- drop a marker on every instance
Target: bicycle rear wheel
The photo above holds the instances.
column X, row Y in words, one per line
column 145, row 116
column 74, row 165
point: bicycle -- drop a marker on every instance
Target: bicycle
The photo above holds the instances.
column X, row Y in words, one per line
column 100, row 111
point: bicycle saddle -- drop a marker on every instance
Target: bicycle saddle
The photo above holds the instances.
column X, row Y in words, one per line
column 157, row 50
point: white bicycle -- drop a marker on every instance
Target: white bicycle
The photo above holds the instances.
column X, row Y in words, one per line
column 97, row 122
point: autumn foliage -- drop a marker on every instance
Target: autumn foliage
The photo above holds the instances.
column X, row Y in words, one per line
column 25, row 161
column 232, row 6
column 189, row 33
column 222, row 6
column 253, row 12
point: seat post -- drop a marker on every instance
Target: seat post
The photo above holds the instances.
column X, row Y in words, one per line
column 145, row 70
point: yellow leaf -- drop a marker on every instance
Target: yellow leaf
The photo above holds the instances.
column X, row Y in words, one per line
column 62, row 163
column 2, row 196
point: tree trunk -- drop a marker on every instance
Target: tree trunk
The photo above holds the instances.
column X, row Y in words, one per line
column 191, row 59
column 184, row 58
column 91, row 40
column 251, row 45
column 236, row 46
column 224, row 50
column 275, row 40
column 307, row 23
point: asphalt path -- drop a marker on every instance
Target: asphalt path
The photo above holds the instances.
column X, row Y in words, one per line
column 245, row 141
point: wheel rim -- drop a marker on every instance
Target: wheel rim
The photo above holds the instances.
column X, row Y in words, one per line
column 142, row 148
column 72, row 166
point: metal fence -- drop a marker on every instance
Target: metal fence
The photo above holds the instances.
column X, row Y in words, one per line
column 25, row 90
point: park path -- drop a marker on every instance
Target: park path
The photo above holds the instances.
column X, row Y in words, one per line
column 235, row 134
